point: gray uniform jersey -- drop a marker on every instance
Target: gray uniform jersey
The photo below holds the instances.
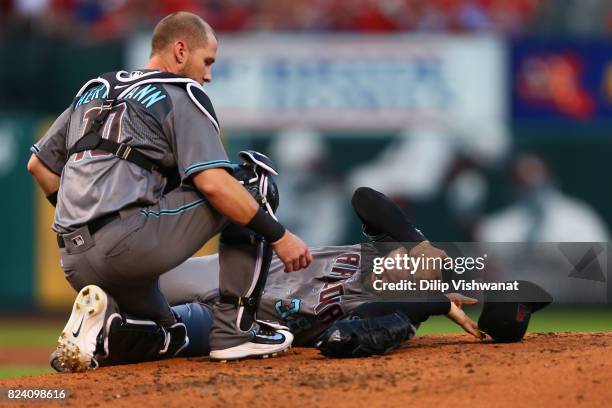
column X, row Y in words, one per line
column 161, row 120
column 308, row 300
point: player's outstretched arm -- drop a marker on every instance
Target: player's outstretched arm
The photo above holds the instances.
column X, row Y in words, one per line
column 234, row 202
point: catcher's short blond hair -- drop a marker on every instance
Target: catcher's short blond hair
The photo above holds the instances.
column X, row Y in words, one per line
column 181, row 25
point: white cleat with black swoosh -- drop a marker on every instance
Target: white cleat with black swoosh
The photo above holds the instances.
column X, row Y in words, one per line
column 77, row 343
column 269, row 340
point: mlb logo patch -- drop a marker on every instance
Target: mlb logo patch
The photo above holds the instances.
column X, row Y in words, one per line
column 78, row 241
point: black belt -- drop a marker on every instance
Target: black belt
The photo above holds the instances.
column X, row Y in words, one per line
column 93, row 227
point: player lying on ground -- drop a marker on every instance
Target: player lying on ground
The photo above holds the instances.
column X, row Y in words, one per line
column 327, row 296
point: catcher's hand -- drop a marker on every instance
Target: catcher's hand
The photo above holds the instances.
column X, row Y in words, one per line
column 457, row 315
column 293, row 252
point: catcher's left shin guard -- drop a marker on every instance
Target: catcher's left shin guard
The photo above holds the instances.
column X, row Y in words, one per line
column 131, row 340
column 98, row 334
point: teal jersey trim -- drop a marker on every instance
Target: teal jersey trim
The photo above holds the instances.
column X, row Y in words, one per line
column 207, row 165
column 175, row 211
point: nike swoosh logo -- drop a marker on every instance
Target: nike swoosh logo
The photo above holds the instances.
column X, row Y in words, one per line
column 76, row 334
column 277, row 336
column 121, row 86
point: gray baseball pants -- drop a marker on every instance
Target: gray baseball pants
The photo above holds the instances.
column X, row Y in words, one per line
column 127, row 257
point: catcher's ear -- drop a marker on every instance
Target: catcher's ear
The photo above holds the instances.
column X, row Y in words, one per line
column 181, row 52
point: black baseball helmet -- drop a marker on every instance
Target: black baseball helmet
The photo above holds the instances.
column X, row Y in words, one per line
column 505, row 315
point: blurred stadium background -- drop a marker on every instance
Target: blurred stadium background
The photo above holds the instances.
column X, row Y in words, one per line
column 486, row 119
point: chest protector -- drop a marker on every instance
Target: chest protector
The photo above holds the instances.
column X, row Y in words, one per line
column 120, row 84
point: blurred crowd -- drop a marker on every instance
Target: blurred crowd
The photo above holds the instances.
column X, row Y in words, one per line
column 114, row 19
column 446, row 170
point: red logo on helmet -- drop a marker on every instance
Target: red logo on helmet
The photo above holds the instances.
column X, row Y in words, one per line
column 520, row 314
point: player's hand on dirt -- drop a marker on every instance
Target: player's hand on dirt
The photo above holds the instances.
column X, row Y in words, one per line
column 292, row 251
column 457, row 315
column 426, row 250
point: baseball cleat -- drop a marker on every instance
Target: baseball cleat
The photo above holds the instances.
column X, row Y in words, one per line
column 55, row 364
column 269, row 340
column 77, row 343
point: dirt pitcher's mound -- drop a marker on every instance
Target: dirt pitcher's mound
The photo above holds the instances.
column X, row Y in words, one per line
column 547, row 370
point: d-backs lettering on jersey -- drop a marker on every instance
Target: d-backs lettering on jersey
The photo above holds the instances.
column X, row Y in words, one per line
column 310, row 300
column 329, row 307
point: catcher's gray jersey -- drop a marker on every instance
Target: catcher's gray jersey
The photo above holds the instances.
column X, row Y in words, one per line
column 161, row 120
column 308, row 300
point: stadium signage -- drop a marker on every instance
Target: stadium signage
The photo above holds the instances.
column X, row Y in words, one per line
column 352, row 82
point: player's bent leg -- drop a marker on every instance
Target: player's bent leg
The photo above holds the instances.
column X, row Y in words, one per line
column 244, row 259
column 127, row 256
column 383, row 220
column 144, row 300
column 130, row 340
column 97, row 334
column 236, row 333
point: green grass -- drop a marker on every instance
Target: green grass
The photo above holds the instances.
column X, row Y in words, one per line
column 28, row 336
column 547, row 320
column 21, row 371
column 24, row 335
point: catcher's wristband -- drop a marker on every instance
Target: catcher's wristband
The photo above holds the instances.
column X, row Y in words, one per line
column 266, row 226
column 52, row 198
